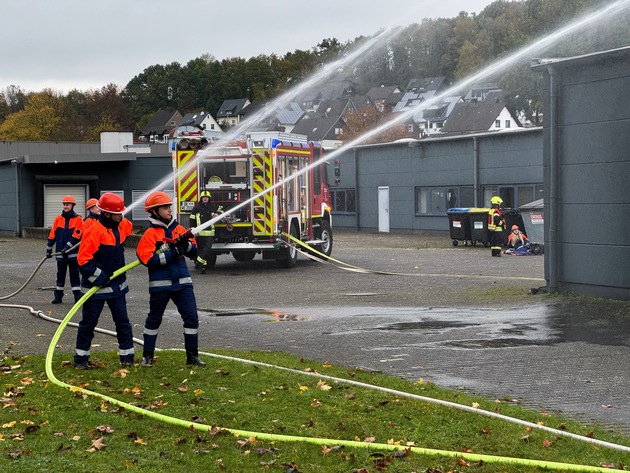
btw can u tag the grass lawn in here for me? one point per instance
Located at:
(45, 427)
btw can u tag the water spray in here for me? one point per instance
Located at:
(535, 47)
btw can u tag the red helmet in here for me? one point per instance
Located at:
(91, 203)
(111, 203)
(157, 199)
(68, 199)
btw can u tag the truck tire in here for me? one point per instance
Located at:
(287, 257)
(326, 234)
(243, 255)
(212, 260)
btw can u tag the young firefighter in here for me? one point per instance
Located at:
(64, 234)
(201, 213)
(92, 211)
(100, 254)
(161, 249)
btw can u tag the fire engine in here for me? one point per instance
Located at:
(243, 170)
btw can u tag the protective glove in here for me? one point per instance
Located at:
(103, 280)
(48, 253)
(64, 253)
(176, 251)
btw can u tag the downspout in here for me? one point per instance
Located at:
(18, 218)
(552, 244)
(476, 171)
(357, 208)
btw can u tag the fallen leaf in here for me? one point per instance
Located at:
(303, 389)
(97, 444)
(369, 439)
(546, 443)
(315, 403)
(321, 384)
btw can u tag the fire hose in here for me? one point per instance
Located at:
(319, 441)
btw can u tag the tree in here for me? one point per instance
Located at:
(41, 119)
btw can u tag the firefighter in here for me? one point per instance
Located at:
(496, 224)
(92, 211)
(162, 249)
(201, 213)
(65, 234)
(100, 254)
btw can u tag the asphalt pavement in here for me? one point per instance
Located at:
(451, 315)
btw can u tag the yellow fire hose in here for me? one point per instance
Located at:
(291, 438)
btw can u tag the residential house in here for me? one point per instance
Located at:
(230, 112)
(479, 92)
(473, 117)
(382, 96)
(429, 120)
(201, 121)
(159, 126)
(316, 95)
(327, 123)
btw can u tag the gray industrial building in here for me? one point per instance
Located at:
(408, 186)
(579, 163)
(587, 170)
(35, 175)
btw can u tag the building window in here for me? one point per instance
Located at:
(507, 123)
(437, 200)
(497, 123)
(343, 201)
(513, 196)
(410, 128)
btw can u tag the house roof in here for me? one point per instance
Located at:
(383, 92)
(290, 115)
(439, 111)
(193, 119)
(328, 90)
(318, 128)
(160, 122)
(473, 116)
(232, 107)
(426, 84)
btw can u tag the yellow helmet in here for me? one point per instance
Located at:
(205, 194)
(496, 200)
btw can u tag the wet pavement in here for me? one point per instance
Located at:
(453, 316)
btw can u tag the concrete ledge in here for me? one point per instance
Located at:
(42, 234)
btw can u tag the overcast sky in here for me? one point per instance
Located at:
(67, 44)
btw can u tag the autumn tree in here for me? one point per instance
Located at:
(41, 119)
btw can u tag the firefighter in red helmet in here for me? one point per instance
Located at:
(65, 234)
(162, 249)
(100, 255)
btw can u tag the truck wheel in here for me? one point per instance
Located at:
(326, 235)
(244, 255)
(287, 257)
(212, 260)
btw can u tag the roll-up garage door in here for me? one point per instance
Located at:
(52, 200)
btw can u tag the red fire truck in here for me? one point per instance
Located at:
(245, 170)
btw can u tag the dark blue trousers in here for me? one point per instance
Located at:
(91, 312)
(71, 266)
(184, 300)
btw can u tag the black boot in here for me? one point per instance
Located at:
(126, 361)
(192, 358)
(147, 359)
